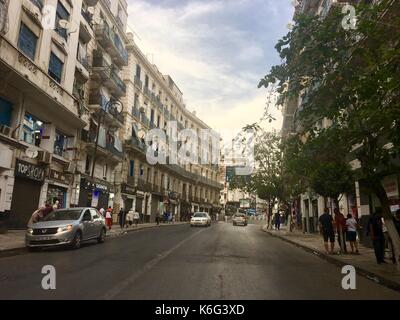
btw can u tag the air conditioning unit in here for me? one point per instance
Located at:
(70, 167)
(44, 157)
(6, 130)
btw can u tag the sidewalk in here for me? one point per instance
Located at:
(365, 263)
(14, 240)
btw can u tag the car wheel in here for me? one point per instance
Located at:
(102, 237)
(77, 241)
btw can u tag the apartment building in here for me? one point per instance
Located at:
(154, 101)
(77, 98)
(310, 206)
(100, 152)
(40, 118)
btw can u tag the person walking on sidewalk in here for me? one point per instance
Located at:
(136, 217)
(122, 217)
(327, 231)
(375, 231)
(102, 212)
(351, 234)
(396, 221)
(277, 221)
(109, 218)
(129, 218)
(340, 223)
(158, 217)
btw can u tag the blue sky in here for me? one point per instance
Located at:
(215, 50)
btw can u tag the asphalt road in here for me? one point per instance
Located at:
(179, 262)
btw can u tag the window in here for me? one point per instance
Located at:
(105, 171)
(38, 3)
(138, 71)
(132, 168)
(61, 14)
(146, 81)
(32, 130)
(60, 143)
(87, 164)
(55, 67)
(158, 121)
(152, 116)
(148, 175)
(141, 171)
(27, 41)
(5, 112)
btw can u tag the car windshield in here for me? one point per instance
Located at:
(200, 215)
(60, 215)
(239, 216)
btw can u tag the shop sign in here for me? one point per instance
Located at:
(128, 189)
(95, 186)
(391, 187)
(60, 176)
(27, 170)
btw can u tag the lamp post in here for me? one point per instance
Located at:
(111, 104)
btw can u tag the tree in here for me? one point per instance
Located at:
(352, 78)
(266, 179)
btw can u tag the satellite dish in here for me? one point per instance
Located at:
(64, 24)
(31, 153)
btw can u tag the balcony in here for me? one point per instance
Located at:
(99, 102)
(144, 119)
(119, 53)
(104, 35)
(144, 185)
(136, 145)
(82, 66)
(104, 149)
(138, 83)
(108, 77)
(147, 92)
(87, 16)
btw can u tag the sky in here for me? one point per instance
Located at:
(216, 51)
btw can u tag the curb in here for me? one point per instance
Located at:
(23, 250)
(360, 271)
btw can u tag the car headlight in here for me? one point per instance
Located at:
(30, 231)
(65, 228)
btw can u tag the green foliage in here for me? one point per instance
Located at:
(352, 78)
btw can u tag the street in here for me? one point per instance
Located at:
(179, 262)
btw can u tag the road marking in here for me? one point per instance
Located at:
(149, 265)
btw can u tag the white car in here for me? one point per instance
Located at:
(200, 219)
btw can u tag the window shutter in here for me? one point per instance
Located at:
(27, 41)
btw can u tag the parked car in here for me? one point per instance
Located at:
(66, 227)
(239, 219)
(200, 219)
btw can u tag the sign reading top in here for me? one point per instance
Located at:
(30, 171)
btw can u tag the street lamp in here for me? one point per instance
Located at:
(115, 106)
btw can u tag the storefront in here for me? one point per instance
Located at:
(58, 188)
(156, 200)
(95, 193)
(139, 204)
(128, 196)
(28, 183)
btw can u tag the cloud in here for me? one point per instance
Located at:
(216, 51)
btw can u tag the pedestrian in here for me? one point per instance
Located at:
(396, 221)
(42, 212)
(122, 217)
(109, 218)
(56, 205)
(375, 231)
(277, 221)
(327, 230)
(102, 212)
(129, 218)
(340, 224)
(351, 233)
(136, 217)
(158, 217)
